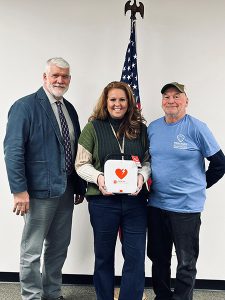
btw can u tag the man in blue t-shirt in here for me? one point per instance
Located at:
(179, 144)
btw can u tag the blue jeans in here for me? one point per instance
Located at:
(107, 214)
(166, 228)
(48, 222)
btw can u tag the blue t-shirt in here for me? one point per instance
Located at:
(177, 159)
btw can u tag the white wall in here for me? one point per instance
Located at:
(177, 41)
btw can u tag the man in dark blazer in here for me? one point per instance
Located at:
(40, 148)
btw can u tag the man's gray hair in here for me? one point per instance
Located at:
(58, 61)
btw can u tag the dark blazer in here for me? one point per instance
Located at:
(33, 147)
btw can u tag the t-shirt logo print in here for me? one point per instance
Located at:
(181, 142)
(180, 138)
(121, 173)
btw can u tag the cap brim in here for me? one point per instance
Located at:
(171, 85)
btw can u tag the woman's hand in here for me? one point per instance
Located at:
(140, 182)
(101, 185)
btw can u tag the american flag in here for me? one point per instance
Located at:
(130, 72)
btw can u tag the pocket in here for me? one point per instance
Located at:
(37, 175)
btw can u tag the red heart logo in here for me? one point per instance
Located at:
(121, 173)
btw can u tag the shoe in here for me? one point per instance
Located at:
(117, 292)
(58, 298)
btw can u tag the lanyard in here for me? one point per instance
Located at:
(123, 142)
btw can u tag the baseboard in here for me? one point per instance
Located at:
(205, 284)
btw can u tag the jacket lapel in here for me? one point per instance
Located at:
(74, 119)
(44, 102)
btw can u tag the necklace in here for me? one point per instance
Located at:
(123, 142)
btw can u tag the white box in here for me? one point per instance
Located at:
(120, 176)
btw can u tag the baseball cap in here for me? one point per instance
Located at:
(177, 85)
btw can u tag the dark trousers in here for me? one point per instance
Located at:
(166, 228)
(107, 214)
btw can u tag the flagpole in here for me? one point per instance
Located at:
(130, 70)
(134, 9)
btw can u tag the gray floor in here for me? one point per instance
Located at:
(11, 291)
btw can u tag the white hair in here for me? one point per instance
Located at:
(58, 61)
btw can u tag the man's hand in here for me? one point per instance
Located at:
(21, 203)
(78, 199)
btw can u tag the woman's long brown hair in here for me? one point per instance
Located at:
(132, 120)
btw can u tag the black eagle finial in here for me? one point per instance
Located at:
(134, 9)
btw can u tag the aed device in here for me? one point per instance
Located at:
(120, 175)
